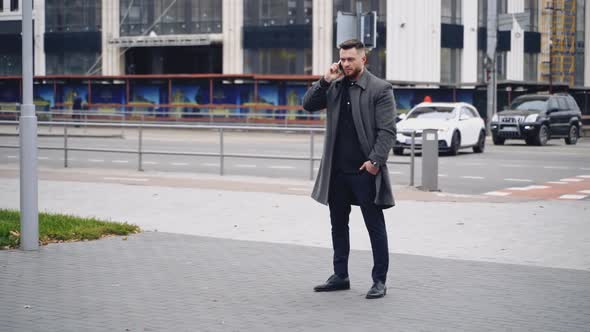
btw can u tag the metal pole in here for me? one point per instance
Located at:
(139, 147)
(220, 151)
(311, 155)
(29, 211)
(412, 155)
(492, 23)
(65, 146)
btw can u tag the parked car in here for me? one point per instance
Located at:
(538, 118)
(459, 126)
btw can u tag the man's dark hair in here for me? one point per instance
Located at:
(352, 43)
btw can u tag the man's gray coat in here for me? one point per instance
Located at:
(373, 112)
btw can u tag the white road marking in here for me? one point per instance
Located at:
(571, 180)
(120, 161)
(395, 172)
(454, 195)
(281, 167)
(584, 192)
(497, 193)
(299, 189)
(473, 177)
(96, 160)
(556, 182)
(512, 165)
(125, 179)
(518, 180)
(443, 175)
(556, 167)
(210, 164)
(584, 176)
(573, 196)
(179, 164)
(43, 158)
(149, 162)
(246, 166)
(11, 157)
(470, 164)
(533, 187)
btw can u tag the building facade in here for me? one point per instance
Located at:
(424, 43)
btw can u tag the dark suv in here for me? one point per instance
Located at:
(537, 119)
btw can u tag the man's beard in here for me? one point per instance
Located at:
(354, 73)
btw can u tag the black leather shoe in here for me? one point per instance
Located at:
(377, 291)
(334, 283)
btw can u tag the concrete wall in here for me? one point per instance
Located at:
(233, 50)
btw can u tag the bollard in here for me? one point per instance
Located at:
(429, 160)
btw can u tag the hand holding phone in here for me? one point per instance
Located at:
(334, 72)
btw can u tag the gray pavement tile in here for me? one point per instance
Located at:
(161, 281)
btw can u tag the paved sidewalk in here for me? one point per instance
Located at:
(172, 282)
(242, 254)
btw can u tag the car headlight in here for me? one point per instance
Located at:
(443, 130)
(531, 118)
(495, 118)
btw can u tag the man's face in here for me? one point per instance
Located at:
(353, 61)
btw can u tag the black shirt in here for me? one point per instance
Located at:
(348, 155)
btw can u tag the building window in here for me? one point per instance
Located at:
(502, 6)
(481, 70)
(13, 5)
(10, 64)
(532, 8)
(501, 65)
(530, 67)
(451, 12)
(283, 61)
(450, 65)
(277, 12)
(73, 15)
(163, 17)
(482, 13)
(70, 63)
(580, 36)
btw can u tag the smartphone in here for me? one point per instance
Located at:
(340, 67)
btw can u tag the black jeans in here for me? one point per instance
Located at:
(346, 189)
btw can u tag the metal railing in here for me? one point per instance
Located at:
(140, 152)
(283, 118)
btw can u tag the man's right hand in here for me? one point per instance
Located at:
(332, 73)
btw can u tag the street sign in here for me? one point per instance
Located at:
(362, 27)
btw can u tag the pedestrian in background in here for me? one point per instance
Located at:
(76, 107)
(360, 132)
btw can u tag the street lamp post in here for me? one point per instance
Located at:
(29, 217)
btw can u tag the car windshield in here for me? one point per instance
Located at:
(432, 112)
(530, 104)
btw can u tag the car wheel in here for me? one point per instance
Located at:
(455, 144)
(498, 140)
(481, 143)
(572, 137)
(542, 136)
(398, 151)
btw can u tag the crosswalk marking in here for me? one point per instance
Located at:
(497, 193)
(179, 164)
(557, 182)
(96, 160)
(571, 180)
(573, 196)
(246, 166)
(281, 167)
(584, 192)
(533, 187)
(120, 161)
(473, 177)
(518, 180)
(43, 158)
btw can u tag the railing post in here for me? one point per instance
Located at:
(221, 151)
(65, 145)
(311, 146)
(412, 157)
(139, 148)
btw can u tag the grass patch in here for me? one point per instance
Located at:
(59, 228)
